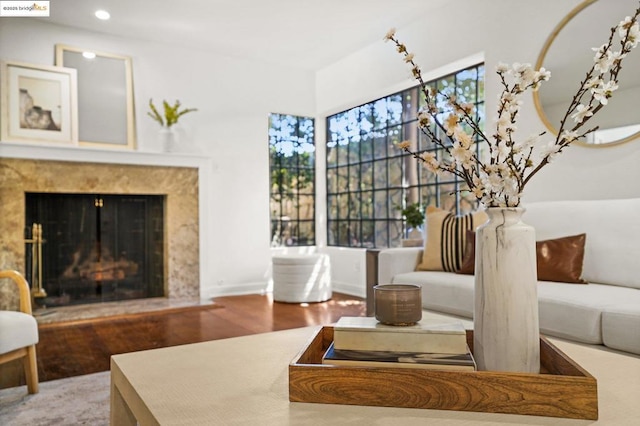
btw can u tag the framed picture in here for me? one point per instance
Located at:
(105, 96)
(38, 103)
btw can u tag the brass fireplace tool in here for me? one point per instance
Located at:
(36, 241)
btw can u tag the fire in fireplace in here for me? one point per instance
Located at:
(88, 248)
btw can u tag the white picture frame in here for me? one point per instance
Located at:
(38, 103)
(106, 117)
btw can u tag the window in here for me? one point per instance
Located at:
(369, 180)
(292, 170)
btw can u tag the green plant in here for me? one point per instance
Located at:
(171, 113)
(413, 214)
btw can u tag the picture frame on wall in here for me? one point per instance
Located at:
(106, 113)
(38, 103)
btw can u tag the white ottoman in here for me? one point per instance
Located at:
(301, 278)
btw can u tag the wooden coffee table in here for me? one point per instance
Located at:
(244, 380)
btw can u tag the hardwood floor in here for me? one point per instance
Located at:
(72, 349)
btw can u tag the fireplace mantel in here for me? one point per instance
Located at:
(43, 168)
(100, 155)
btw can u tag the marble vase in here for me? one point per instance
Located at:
(506, 326)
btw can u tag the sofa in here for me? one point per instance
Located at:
(603, 311)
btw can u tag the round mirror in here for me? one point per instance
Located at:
(568, 54)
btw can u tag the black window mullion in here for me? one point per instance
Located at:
(292, 165)
(351, 192)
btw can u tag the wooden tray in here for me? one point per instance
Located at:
(563, 389)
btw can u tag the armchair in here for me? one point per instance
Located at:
(19, 332)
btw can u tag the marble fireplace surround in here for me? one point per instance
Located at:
(178, 184)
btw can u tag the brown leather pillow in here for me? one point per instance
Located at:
(468, 265)
(558, 260)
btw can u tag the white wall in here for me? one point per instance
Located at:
(234, 97)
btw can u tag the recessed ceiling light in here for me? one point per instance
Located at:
(103, 14)
(89, 55)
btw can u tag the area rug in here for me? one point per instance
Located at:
(80, 400)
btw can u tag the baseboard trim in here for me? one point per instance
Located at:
(264, 288)
(240, 289)
(349, 288)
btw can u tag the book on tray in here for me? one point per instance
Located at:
(388, 359)
(427, 336)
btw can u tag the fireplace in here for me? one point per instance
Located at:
(88, 248)
(178, 187)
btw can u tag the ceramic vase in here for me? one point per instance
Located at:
(169, 139)
(506, 326)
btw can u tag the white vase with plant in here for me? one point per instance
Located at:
(413, 215)
(169, 137)
(506, 328)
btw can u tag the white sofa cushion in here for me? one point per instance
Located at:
(574, 311)
(612, 249)
(571, 311)
(442, 291)
(17, 330)
(621, 327)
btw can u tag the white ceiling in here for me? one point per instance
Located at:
(308, 34)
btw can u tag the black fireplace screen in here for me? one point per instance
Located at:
(95, 247)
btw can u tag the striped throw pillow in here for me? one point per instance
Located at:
(446, 236)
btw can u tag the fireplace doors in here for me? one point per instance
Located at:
(88, 248)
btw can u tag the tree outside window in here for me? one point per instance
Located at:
(368, 178)
(292, 169)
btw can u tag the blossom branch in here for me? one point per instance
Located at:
(500, 180)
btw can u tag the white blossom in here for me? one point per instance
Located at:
(430, 162)
(582, 112)
(493, 182)
(567, 137)
(510, 186)
(550, 151)
(450, 124)
(390, 34)
(463, 137)
(514, 107)
(506, 97)
(603, 92)
(543, 74)
(627, 24)
(617, 56)
(502, 68)
(593, 82)
(523, 74)
(461, 155)
(600, 51)
(634, 36)
(424, 119)
(501, 150)
(603, 59)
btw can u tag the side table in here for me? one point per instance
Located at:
(301, 278)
